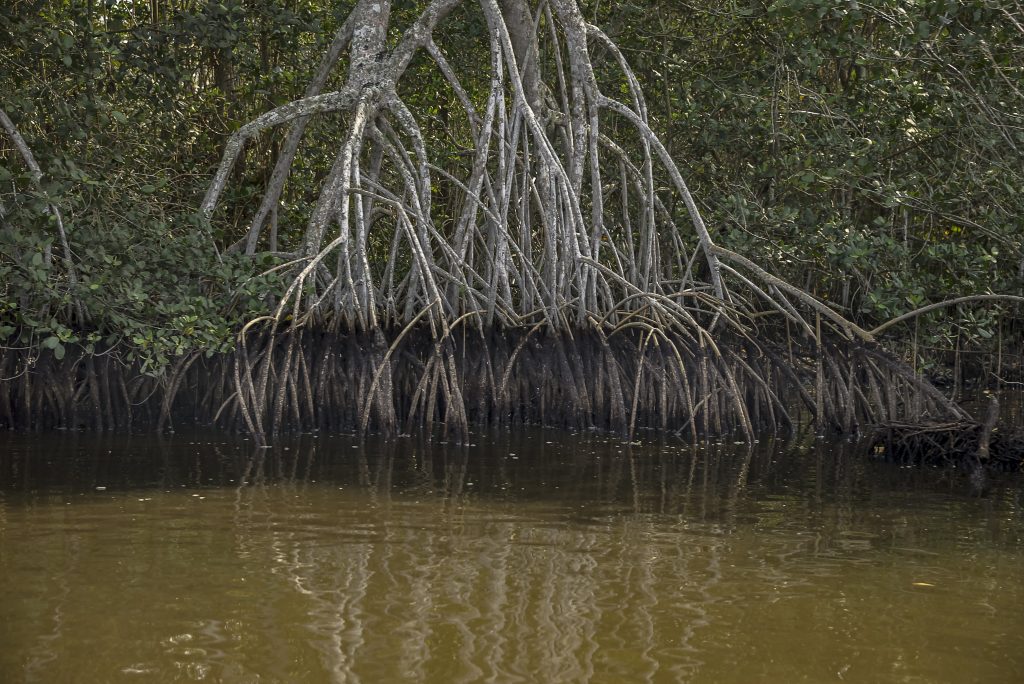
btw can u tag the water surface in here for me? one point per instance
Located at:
(539, 556)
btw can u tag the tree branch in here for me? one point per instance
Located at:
(949, 302)
(37, 176)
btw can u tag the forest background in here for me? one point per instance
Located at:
(868, 152)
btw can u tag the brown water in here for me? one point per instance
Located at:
(539, 557)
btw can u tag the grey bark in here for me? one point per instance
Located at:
(37, 176)
(521, 30)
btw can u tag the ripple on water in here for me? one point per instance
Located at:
(570, 567)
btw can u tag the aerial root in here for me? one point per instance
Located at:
(623, 380)
(950, 443)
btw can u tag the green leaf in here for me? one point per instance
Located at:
(51, 342)
(58, 351)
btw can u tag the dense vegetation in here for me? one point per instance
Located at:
(868, 152)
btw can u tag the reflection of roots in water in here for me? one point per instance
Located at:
(47, 647)
(450, 588)
(420, 566)
(411, 575)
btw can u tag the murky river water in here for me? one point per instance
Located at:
(537, 557)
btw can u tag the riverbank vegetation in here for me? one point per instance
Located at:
(676, 215)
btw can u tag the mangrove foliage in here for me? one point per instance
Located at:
(382, 215)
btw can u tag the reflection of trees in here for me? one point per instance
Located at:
(411, 575)
(414, 561)
(48, 644)
(430, 580)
